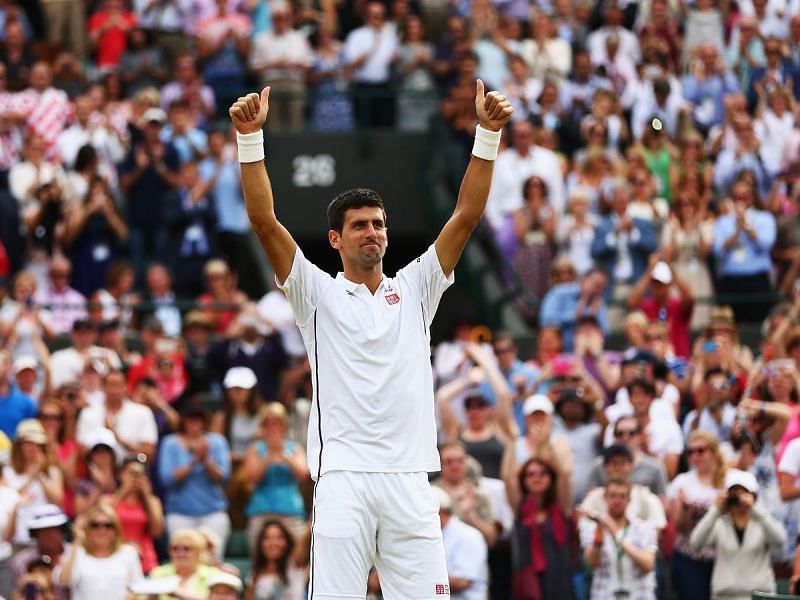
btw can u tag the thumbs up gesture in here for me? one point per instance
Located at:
(249, 113)
(493, 110)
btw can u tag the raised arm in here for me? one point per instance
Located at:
(494, 111)
(249, 113)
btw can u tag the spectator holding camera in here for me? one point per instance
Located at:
(620, 550)
(714, 412)
(742, 535)
(139, 510)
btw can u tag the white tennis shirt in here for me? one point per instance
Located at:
(373, 407)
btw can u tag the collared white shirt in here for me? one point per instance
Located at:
(381, 46)
(134, 423)
(373, 408)
(269, 47)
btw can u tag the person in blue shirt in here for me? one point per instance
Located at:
(743, 241)
(277, 467)
(193, 466)
(15, 406)
(565, 303)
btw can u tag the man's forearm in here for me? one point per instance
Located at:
(258, 197)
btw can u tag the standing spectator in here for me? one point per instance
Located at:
(61, 442)
(543, 535)
(742, 158)
(743, 240)
(105, 140)
(777, 73)
(331, 107)
(23, 325)
(148, 174)
(465, 551)
(277, 565)
(48, 109)
(182, 133)
(222, 47)
(65, 23)
(32, 472)
(566, 303)
(514, 166)
(620, 551)
(715, 412)
(281, 58)
(706, 85)
(690, 496)
(132, 424)
(622, 245)
(66, 305)
(278, 468)
(101, 470)
(575, 232)
(108, 33)
(142, 65)
(742, 535)
(162, 313)
(139, 511)
(221, 171)
(416, 99)
(92, 234)
(704, 31)
(193, 465)
(662, 305)
(99, 564)
(165, 21)
(547, 55)
(16, 56)
(686, 240)
(368, 51)
(189, 86)
(68, 363)
(221, 301)
(27, 177)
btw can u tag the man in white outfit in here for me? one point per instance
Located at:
(372, 432)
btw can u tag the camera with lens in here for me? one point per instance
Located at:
(732, 500)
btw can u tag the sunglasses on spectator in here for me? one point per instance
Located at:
(101, 525)
(699, 450)
(626, 433)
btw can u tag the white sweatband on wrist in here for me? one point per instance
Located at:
(251, 146)
(486, 143)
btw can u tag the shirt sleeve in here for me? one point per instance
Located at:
(304, 286)
(790, 461)
(425, 277)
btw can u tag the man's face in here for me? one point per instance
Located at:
(49, 537)
(364, 237)
(718, 390)
(506, 352)
(618, 467)
(617, 498)
(114, 386)
(40, 77)
(26, 379)
(640, 400)
(522, 137)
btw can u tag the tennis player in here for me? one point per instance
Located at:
(372, 432)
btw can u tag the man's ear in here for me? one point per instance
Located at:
(334, 239)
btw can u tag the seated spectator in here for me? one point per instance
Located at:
(47, 527)
(706, 85)
(47, 108)
(565, 303)
(278, 468)
(100, 478)
(743, 562)
(132, 424)
(67, 364)
(543, 537)
(186, 550)
(224, 586)
(675, 311)
(197, 341)
(27, 177)
(690, 495)
(222, 299)
(193, 466)
(547, 55)
(743, 240)
(182, 133)
(139, 510)
(778, 72)
(66, 305)
(625, 563)
(715, 410)
(92, 235)
(86, 130)
(644, 504)
(116, 298)
(278, 565)
(416, 98)
(160, 295)
(465, 552)
(189, 85)
(575, 232)
(99, 564)
(17, 56)
(775, 130)
(142, 65)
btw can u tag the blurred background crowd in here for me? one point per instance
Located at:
(154, 396)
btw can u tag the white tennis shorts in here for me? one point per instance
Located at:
(390, 520)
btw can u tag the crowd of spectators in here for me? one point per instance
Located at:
(651, 168)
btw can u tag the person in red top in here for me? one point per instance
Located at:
(674, 310)
(108, 32)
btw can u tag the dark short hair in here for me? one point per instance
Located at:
(643, 384)
(352, 199)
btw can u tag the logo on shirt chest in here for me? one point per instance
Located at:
(392, 298)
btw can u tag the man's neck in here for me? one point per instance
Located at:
(113, 406)
(371, 277)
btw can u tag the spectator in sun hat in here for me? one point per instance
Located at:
(102, 457)
(34, 472)
(26, 377)
(47, 526)
(224, 586)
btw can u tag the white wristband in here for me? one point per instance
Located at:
(251, 146)
(486, 143)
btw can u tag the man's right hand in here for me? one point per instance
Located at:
(249, 113)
